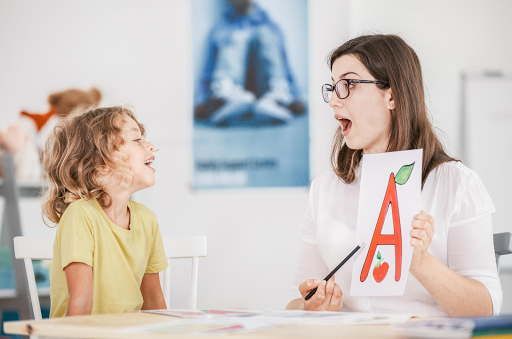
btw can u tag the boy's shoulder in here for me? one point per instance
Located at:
(141, 210)
(79, 214)
(80, 206)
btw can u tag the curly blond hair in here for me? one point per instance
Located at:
(74, 153)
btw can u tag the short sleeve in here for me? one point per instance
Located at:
(307, 225)
(310, 264)
(157, 261)
(471, 201)
(75, 237)
(470, 237)
(471, 255)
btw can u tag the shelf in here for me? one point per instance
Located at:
(43, 291)
(11, 292)
(29, 189)
(7, 293)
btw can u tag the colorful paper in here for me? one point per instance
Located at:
(390, 197)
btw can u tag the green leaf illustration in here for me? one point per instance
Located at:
(378, 255)
(403, 175)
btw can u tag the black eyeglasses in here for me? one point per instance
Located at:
(342, 88)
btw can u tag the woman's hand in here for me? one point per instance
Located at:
(421, 236)
(328, 296)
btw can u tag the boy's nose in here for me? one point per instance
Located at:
(150, 146)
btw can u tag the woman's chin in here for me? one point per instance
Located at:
(352, 145)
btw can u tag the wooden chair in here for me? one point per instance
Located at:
(29, 248)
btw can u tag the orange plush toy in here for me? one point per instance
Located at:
(25, 138)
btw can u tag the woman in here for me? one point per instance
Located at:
(377, 97)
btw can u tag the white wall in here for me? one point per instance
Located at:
(138, 51)
(450, 37)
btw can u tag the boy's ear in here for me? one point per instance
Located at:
(103, 174)
(104, 170)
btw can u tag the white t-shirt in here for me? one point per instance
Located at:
(463, 240)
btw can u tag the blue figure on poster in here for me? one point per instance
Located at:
(247, 79)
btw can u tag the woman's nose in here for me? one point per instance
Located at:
(334, 101)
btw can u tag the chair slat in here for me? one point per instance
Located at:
(33, 248)
(185, 247)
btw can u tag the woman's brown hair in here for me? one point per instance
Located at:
(78, 147)
(390, 60)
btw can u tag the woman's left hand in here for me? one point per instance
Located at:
(421, 236)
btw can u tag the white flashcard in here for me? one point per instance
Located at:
(389, 198)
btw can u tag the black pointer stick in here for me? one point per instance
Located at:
(335, 270)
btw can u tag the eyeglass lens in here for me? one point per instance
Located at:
(327, 92)
(341, 90)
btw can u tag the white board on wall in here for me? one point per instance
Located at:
(487, 142)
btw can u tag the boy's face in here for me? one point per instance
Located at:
(141, 155)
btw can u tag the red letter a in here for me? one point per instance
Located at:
(386, 239)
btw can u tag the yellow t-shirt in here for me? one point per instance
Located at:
(119, 257)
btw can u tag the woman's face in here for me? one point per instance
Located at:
(364, 115)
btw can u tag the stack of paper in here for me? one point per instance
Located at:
(459, 328)
(239, 321)
(446, 328)
(204, 326)
(300, 317)
(493, 326)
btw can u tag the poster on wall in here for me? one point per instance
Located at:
(251, 119)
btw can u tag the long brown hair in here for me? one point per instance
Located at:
(74, 153)
(389, 59)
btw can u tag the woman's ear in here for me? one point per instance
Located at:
(390, 100)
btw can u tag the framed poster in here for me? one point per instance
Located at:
(251, 119)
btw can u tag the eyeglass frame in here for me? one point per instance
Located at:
(349, 81)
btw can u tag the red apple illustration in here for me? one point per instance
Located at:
(381, 269)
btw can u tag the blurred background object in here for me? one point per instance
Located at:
(246, 78)
(250, 74)
(25, 138)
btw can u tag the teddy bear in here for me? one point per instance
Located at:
(25, 138)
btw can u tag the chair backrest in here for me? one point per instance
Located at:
(27, 248)
(183, 247)
(502, 246)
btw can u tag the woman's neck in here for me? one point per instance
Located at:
(377, 148)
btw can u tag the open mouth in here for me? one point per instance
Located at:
(149, 161)
(346, 125)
